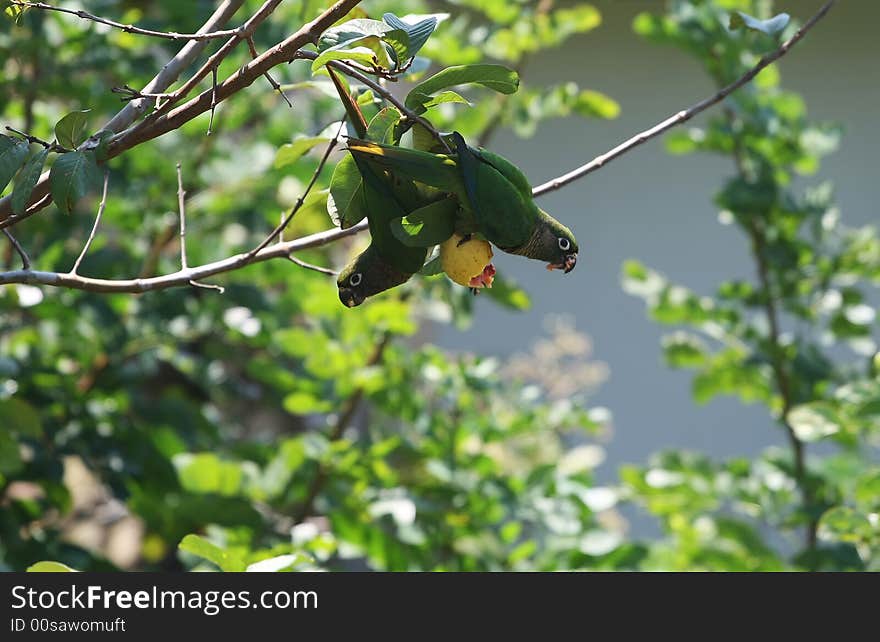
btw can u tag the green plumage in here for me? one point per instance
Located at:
(386, 263)
(495, 196)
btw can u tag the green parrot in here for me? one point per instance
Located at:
(495, 195)
(387, 262)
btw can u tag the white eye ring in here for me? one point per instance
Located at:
(355, 279)
(564, 243)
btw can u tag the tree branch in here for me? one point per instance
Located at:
(181, 277)
(214, 61)
(684, 115)
(157, 125)
(126, 116)
(85, 15)
(161, 123)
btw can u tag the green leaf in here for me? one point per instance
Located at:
(381, 127)
(868, 490)
(351, 30)
(683, 350)
(813, 421)
(844, 524)
(443, 97)
(20, 417)
(771, 27)
(10, 456)
(417, 34)
(346, 204)
(279, 563)
(14, 11)
(305, 403)
(432, 267)
(207, 473)
(27, 180)
(13, 152)
(71, 130)
(199, 546)
(496, 77)
(682, 141)
(50, 567)
(748, 198)
(522, 552)
(595, 104)
(428, 225)
(368, 50)
(398, 40)
(72, 176)
(291, 152)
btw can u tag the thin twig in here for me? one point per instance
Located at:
(33, 209)
(213, 99)
(97, 222)
(85, 15)
(52, 147)
(25, 261)
(684, 115)
(208, 286)
(181, 277)
(130, 93)
(299, 202)
(253, 49)
(312, 266)
(181, 208)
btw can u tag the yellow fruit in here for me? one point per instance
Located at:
(464, 262)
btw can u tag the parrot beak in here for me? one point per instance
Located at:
(567, 265)
(350, 299)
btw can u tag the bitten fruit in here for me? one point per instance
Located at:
(468, 263)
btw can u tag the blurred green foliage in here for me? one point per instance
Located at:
(799, 340)
(271, 425)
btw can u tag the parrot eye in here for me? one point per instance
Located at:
(355, 279)
(564, 244)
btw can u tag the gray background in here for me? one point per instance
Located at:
(658, 208)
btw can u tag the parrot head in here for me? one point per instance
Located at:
(553, 242)
(367, 275)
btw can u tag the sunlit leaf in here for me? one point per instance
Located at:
(50, 567)
(71, 130)
(13, 153)
(291, 152)
(771, 27)
(72, 176)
